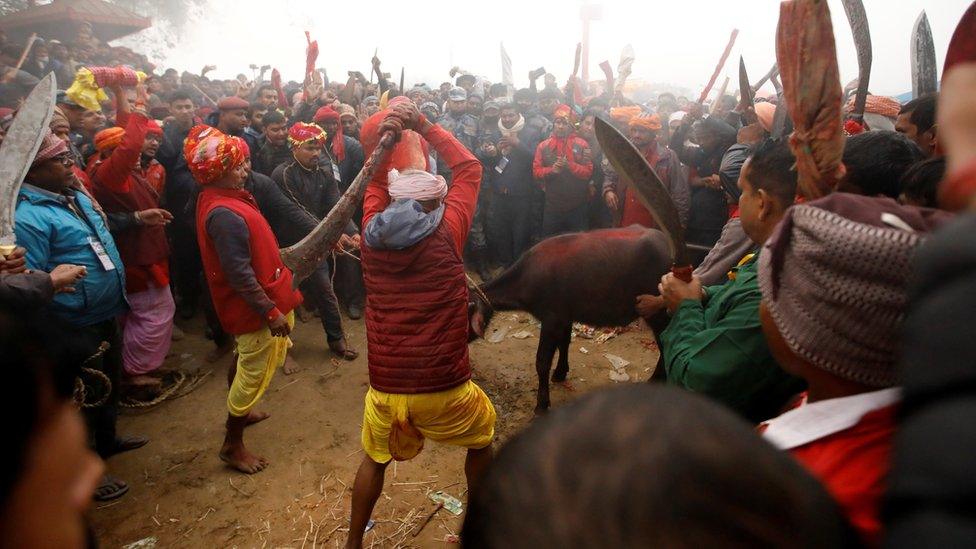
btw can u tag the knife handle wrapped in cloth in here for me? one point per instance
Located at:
(87, 91)
(682, 273)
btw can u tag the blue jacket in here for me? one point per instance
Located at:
(54, 235)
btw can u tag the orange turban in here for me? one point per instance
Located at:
(210, 154)
(623, 115)
(766, 112)
(109, 138)
(651, 122)
(302, 132)
(879, 104)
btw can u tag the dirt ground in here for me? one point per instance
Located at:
(183, 496)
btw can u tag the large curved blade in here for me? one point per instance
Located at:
(925, 77)
(858, 19)
(19, 148)
(635, 170)
(746, 97)
(962, 48)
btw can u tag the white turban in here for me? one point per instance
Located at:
(416, 184)
(677, 116)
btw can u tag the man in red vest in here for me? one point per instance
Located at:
(416, 310)
(251, 288)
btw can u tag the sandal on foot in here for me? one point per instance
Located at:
(110, 488)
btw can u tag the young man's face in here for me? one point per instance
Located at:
(642, 137)
(587, 127)
(257, 120)
(268, 98)
(331, 127)
(182, 111)
(54, 175)
(509, 117)
(548, 105)
(307, 154)
(277, 134)
(349, 124)
(561, 127)
(457, 107)
(474, 104)
(234, 120)
(151, 145)
(91, 122)
(751, 204)
(925, 140)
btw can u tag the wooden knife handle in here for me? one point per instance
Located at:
(682, 273)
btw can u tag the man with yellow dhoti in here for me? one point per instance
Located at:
(251, 288)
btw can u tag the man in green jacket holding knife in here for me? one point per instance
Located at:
(714, 344)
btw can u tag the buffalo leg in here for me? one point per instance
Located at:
(548, 341)
(562, 365)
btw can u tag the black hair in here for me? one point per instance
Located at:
(876, 162)
(590, 111)
(256, 107)
(265, 87)
(648, 466)
(273, 116)
(180, 95)
(498, 90)
(923, 111)
(772, 168)
(524, 94)
(550, 93)
(920, 184)
(39, 352)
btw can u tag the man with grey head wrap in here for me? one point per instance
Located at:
(834, 282)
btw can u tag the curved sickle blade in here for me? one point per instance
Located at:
(858, 19)
(19, 148)
(305, 256)
(632, 166)
(962, 48)
(925, 77)
(746, 97)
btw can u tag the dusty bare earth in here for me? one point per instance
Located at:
(182, 495)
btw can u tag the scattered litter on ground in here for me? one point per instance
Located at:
(607, 335)
(451, 538)
(584, 351)
(370, 525)
(521, 334)
(617, 362)
(619, 376)
(583, 331)
(498, 334)
(451, 503)
(144, 543)
(648, 344)
(515, 318)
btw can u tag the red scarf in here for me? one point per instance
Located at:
(328, 114)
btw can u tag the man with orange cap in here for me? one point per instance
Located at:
(251, 287)
(563, 166)
(306, 183)
(622, 200)
(129, 191)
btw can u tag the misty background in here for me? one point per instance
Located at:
(676, 42)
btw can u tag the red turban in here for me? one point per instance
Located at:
(242, 144)
(210, 154)
(565, 111)
(152, 128)
(109, 138)
(409, 153)
(879, 104)
(326, 114)
(302, 132)
(651, 122)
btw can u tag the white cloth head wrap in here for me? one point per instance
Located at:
(416, 185)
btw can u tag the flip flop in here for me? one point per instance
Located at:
(127, 444)
(110, 488)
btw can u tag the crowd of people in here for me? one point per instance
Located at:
(174, 196)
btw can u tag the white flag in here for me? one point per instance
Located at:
(507, 69)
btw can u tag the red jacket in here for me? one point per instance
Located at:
(853, 465)
(417, 298)
(121, 186)
(275, 279)
(569, 188)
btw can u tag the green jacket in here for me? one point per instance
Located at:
(716, 347)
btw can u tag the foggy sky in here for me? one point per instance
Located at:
(675, 42)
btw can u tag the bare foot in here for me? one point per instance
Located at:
(241, 459)
(290, 366)
(219, 352)
(257, 417)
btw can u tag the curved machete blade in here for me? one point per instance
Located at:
(631, 165)
(962, 48)
(858, 19)
(746, 96)
(925, 78)
(20, 146)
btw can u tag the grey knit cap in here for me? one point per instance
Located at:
(834, 277)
